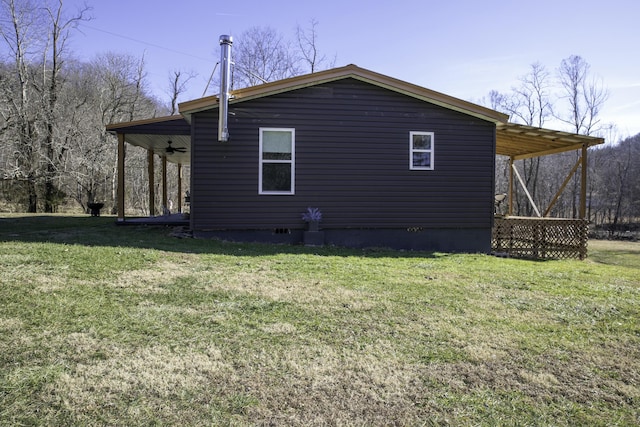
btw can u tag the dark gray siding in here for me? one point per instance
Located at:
(352, 162)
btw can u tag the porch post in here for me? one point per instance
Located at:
(164, 183)
(180, 187)
(510, 210)
(121, 155)
(151, 173)
(583, 184)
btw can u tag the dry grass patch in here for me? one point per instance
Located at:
(263, 282)
(11, 324)
(153, 278)
(322, 385)
(156, 381)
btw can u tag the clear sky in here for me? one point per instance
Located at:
(463, 48)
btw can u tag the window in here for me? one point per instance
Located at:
(277, 161)
(421, 150)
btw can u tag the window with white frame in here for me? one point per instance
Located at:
(421, 150)
(277, 161)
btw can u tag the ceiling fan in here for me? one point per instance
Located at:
(170, 149)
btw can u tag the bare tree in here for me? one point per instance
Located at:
(617, 174)
(261, 54)
(107, 90)
(307, 41)
(534, 95)
(53, 82)
(121, 96)
(584, 94)
(575, 100)
(18, 30)
(53, 110)
(529, 103)
(178, 81)
(535, 108)
(37, 60)
(89, 164)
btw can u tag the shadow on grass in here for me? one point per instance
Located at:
(630, 259)
(104, 232)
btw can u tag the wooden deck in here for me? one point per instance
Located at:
(540, 238)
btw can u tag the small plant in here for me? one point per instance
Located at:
(312, 215)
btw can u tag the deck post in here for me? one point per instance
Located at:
(180, 187)
(583, 184)
(152, 193)
(164, 183)
(121, 156)
(510, 210)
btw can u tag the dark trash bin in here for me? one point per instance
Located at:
(95, 208)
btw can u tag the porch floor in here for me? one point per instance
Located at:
(178, 219)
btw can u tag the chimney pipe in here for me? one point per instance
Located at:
(223, 98)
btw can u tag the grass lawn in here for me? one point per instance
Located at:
(108, 325)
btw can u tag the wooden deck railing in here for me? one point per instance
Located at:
(540, 238)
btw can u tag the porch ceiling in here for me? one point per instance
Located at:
(158, 144)
(154, 134)
(523, 142)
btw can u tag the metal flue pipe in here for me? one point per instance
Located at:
(223, 99)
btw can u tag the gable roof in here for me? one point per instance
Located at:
(349, 71)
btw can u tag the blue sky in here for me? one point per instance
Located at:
(463, 48)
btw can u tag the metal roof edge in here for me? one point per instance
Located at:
(551, 134)
(353, 71)
(113, 127)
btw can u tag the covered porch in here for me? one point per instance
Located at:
(541, 237)
(168, 138)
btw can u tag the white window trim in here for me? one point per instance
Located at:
(292, 162)
(412, 150)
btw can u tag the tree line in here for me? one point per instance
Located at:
(54, 109)
(55, 151)
(571, 97)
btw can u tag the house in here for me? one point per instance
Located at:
(389, 163)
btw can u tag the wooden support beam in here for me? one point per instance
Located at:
(548, 152)
(164, 183)
(180, 187)
(121, 189)
(562, 187)
(152, 193)
(510, 210)
(583, 184)
(526, 191)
